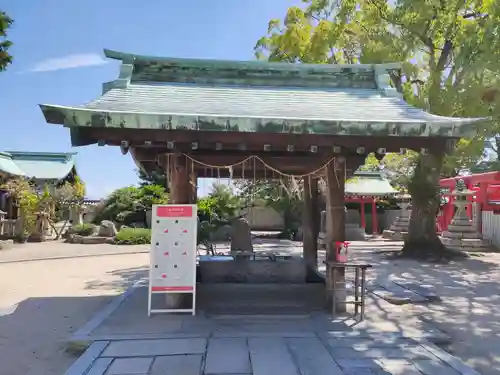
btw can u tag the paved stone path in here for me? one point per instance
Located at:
(339, 354)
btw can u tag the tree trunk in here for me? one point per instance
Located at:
(422, 240)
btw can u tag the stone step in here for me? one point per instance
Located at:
(394, 235)
(399, 228)
(461, 223)
(464, 243)
(403, 218)
(462, 228)
(468, 235)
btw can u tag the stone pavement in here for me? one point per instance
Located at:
(392, 340)
(336, 354)
(128, 342)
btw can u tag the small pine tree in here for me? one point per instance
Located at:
(156, 177)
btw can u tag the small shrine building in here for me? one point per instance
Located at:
(40, 167)
(368, 187)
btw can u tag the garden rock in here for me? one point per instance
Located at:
(241, 236)
(97, 240)
(222, 234)
(89, 240)
(107, 229)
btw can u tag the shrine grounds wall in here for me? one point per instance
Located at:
(491, 227)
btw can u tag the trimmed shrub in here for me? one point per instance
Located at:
(83, 229)
(133, 236)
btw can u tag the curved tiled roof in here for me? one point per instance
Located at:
(366, 183)
(37, 165)
(255, 96)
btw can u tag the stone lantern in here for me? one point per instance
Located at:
(461, 233)
(399, 228)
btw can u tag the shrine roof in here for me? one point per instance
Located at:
(366, 183)
(37, 165)
(255, 96)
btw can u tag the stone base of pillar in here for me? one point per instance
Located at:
(462, 235)
(338, 291)
(399, 229)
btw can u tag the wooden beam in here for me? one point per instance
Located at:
(256, 141)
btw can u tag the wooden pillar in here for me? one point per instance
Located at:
(335, 208)
(308, 247)
(363, 217)
(335, 232)
(180, 188)
(180, 193)
(193, 184)
(374, 217)
(316, 216)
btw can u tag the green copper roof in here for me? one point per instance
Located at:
(7, 165)
(369, 184)
(167, 93)
(138, 68)
(37, 165)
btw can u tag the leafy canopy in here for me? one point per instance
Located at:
(5, 44)
(450, 52)
(129, 204)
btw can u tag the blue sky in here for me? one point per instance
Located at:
(58, 60)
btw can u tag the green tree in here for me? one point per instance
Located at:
(155, 177)
(5, 44)
(130, 204)
(219, 208)
(285, 196)
(396, 167)
(450, 51)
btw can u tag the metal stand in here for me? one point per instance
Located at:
(359, 285)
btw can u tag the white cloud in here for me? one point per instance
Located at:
(69, 62)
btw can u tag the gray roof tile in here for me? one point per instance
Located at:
(357, 105)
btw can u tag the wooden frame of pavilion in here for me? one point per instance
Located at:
(297, 118)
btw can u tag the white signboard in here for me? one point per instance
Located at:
(173, 253)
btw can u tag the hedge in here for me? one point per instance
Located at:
(83, 229)
(133, 236)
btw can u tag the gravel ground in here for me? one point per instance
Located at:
(59, 249)
(43, 302)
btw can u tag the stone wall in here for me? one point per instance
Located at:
(265, 218)
(254, 271)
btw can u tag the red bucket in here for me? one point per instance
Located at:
(341, 251)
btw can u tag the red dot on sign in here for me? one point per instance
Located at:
(163, 276)
(184, 231)
(166, 253)
(165, 231)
